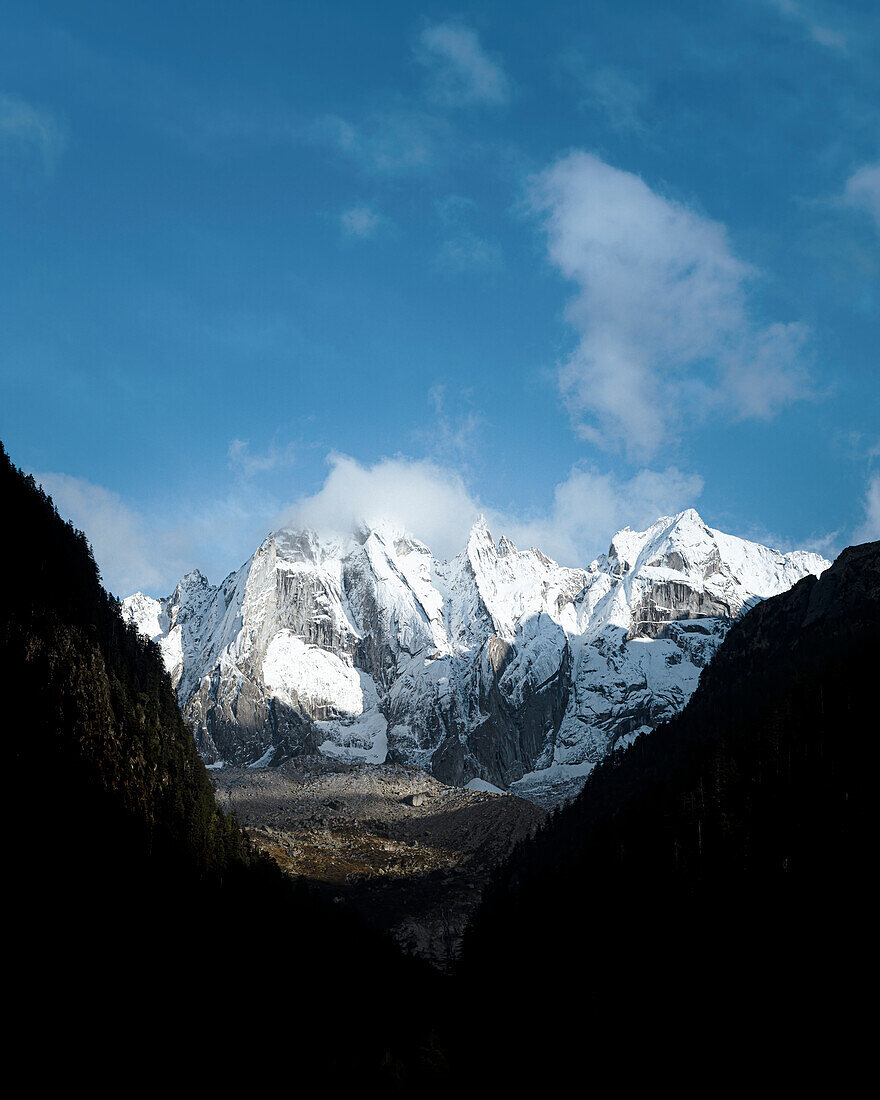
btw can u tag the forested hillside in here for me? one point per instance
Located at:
(140, 918)
(715, 876)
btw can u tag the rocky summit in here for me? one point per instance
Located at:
(497, 669)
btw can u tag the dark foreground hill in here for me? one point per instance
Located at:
(143, 929)
(710, 894)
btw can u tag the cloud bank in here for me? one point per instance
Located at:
(434, 504)
(660, 311)
(425, 498)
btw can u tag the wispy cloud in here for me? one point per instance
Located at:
(863, 190)
(616, 95)
(466, 251)
(360, 222)
(454, 209)
(463, 249)
(242, 460)
(816, 29)
(30, 132)
(455, 425)
(460, 72)
(660, 311)
(391, 142)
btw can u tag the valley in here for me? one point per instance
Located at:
(407, 851)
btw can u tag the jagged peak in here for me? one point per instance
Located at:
(689, 518)
(480, 542)
(689, 515)
(194, 576)
(138, 599)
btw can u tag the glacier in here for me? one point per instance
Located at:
(499, 666)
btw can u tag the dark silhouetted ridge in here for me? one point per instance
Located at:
(708, 895)
(144, 932)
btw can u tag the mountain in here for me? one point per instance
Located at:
(138, 916)
(499, 666)
(708, 898)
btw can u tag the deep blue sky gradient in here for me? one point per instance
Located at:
(176, 275)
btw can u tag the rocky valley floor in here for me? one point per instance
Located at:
(411, 853)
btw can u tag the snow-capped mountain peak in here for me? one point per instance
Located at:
(499, 664)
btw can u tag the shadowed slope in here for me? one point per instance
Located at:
(141, 921)
(710, 886)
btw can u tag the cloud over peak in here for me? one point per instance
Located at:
(433, 503)
(419, 496)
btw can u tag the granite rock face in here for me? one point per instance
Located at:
(499, 665)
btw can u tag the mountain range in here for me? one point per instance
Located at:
(499, 668)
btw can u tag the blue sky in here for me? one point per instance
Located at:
(573, 265)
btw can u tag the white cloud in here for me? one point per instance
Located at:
(869, 531)
(664, 333)
(27, 130)
(127, 553)
(360, 222)
(820, 32)
(428, 500)
(461, 72)
(863, 190)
